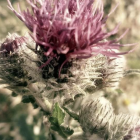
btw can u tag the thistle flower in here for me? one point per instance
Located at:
(78, 77)
(68, 32)
(68, 29)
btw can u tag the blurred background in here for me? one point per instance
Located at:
(19, 121)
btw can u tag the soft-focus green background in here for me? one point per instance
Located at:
(20, 121)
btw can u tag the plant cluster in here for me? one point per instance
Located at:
(67, 57)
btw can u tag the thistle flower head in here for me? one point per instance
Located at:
(69, 31)
(69, 28)
(78, 77)
(18, 63)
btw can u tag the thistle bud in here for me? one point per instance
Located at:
(133, 134)
(81, 77)
(123, 127)
(96, 116)
(18, 64)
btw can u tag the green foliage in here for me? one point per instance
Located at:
(16, 118)
(119, 91)
(28, 99)
(26, 131)
(67, 131)
(58, 114)
(6, 138)
(25, 99)
(35, 105)
(57, 119)
(14, 94)
(28, 134)
(72, 114)
(63, 131)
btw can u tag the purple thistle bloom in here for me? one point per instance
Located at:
(69, 28)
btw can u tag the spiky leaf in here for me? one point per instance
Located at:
(57, 119)
(72, 114)
(58, 114)
(14, 94)
(25, 99)
(67, 131)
